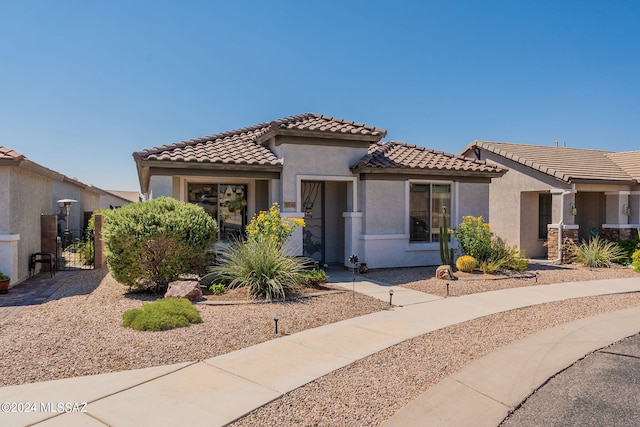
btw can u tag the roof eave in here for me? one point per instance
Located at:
(332, 135)
(428, 172)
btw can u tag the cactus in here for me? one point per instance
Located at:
(466, 263)
(446, 254)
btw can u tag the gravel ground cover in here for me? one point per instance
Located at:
(78, 332)
(422, 278)
(371, 390)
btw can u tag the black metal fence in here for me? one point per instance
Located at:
(76, 250)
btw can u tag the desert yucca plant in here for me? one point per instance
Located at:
(466, 263)
(261, 265)
(597, 253)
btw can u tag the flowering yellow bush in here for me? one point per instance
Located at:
(270, 225)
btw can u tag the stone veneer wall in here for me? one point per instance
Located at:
(99, 254)
(615, 234)
(48, 236)
(569, 238)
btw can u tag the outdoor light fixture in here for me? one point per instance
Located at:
(66, 203)
(447, 284)
(574, 210)
(537, 274)
(390, 296)
(275, 319)
(627, 210)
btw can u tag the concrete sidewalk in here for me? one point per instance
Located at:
(219, 390)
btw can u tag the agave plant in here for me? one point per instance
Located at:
(597, 253)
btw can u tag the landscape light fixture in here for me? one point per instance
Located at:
(447, 294)
(275, 319)
(390, 296)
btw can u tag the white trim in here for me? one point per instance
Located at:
(9, 237)
(564, 226)
(384, 237)
(620, 226)
(617, 193)
(352, 214)
(341, 178)
(407, 201)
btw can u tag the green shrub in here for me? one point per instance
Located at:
(635, 257)
(217, 288)
(150, 244)
(492, 267)
(597, 253)
(270, 225)
(474, 237)
(313, 278)
(261, 265)
(628, 247)
(162, 315)
(466, 263)
(508, 256)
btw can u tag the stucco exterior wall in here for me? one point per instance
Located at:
(313, 160)
(30, 197)
(473, 200)
(509, 218)
(160, 186)
(383, 204)
(5, 206)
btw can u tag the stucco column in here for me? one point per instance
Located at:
(563, 206)
(634, 205)
(616, 206)
(352, 232)
(9, 256)
(275, 192)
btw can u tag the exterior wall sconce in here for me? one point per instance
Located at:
(574, 210)
(627, 210)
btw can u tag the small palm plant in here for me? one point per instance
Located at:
(597, 253)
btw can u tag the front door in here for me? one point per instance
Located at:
(314, 231)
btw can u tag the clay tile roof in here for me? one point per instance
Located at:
(629, 161)
(247, 145)
(242, 146)
(399, 155)
(567, 164)
(9, 154)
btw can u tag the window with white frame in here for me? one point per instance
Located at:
(426, 201)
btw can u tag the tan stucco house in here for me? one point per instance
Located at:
(379, 200)
(29, 195)
(550, 193)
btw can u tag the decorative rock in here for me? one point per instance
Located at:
(184, 289)
(444, 272)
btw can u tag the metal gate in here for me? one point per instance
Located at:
(76, 250)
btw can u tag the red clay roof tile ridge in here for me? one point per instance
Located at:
(8, 153)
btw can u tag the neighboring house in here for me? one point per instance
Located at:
(29, 193)
(380, 201)
(112, 199)
(550, 188)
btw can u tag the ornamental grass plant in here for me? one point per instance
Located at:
(597, 253)
(262, 266)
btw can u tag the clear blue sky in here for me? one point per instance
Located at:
(84, 84)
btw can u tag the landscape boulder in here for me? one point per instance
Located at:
(184, 289)
(444, 272)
